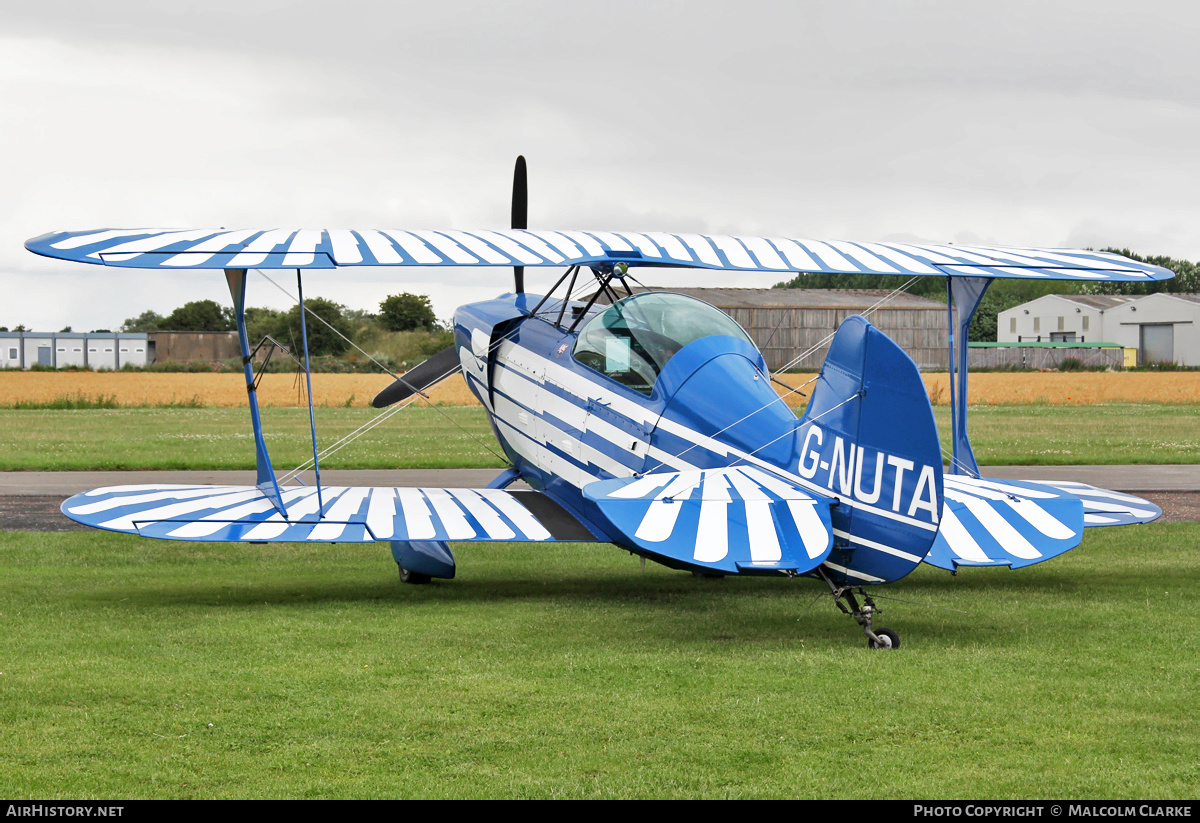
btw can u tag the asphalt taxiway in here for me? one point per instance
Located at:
(29, 501)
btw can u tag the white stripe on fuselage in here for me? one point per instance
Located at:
(585, 389)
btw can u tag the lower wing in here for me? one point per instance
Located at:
(339, 514)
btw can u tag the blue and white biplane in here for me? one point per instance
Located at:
(647, 420)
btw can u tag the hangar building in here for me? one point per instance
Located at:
(94, 350)
(789, 323)
(1162, 327)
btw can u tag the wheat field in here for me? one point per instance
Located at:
(356, 390)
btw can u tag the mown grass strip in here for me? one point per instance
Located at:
(185, 438)
(137, 668)
(455, 437)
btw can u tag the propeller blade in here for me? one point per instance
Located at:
(420, 377)
(520, 213)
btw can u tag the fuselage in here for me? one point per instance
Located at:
(565, 424)
(571, 406)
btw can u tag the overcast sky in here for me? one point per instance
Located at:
(1017, 123)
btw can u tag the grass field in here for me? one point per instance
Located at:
(169, 670)
(459, 437)
(133, 668)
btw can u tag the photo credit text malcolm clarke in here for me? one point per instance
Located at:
(1050, 810)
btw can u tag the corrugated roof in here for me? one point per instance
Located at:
(853, 299)
(1098, 301)
(1108, 301)
(1191, 298)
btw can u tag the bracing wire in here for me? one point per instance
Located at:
(366, 427)
(378, 419)
(363, 429)
(358, 433)
(327, 324)
(881, 302)
(955, 463)
(748, 455)
(870, 310)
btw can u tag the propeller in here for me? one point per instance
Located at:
(420, 377)
(445, 362)
(520, 214)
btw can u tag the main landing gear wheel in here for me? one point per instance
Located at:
(412, 578)
(888, 639)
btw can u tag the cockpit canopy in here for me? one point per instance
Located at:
(632, 340)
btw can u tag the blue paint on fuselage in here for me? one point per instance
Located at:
(868, 439)
(716, 387)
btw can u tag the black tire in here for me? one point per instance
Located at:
(888, 640)
(412, 578)
(710, 575)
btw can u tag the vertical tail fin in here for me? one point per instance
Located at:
(870, 440)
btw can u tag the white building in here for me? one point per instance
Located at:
(1059, 318)
(94, 350)
(1162, 327)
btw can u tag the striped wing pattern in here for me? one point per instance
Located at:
(1004, 523)
(348, 514)
(329, 248)
(1102, 507)
(733, 520)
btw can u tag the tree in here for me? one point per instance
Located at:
(321, 339)
(147, 321)
(932, 287)
(407, 312)
(1185, 281)
(259, 323)
(199, 315)
(1002, 294)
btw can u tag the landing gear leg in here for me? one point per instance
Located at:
(846, 598)
(411, 577)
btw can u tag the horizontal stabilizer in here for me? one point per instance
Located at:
(349, 514)
(183, 249)
(1010, 523)
(1102, 507)
(732, 520)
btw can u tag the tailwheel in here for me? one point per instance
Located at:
(884, 639)
(412, 578)
(846, 598)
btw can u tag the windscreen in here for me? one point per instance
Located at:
(632, 340)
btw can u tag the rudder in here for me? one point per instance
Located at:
(869, 439)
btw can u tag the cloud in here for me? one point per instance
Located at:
(1022, 124)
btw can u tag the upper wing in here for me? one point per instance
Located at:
(347, 514)
(329, 248)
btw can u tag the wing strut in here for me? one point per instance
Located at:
(312, 420)
(265, 477)
(963, 295)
